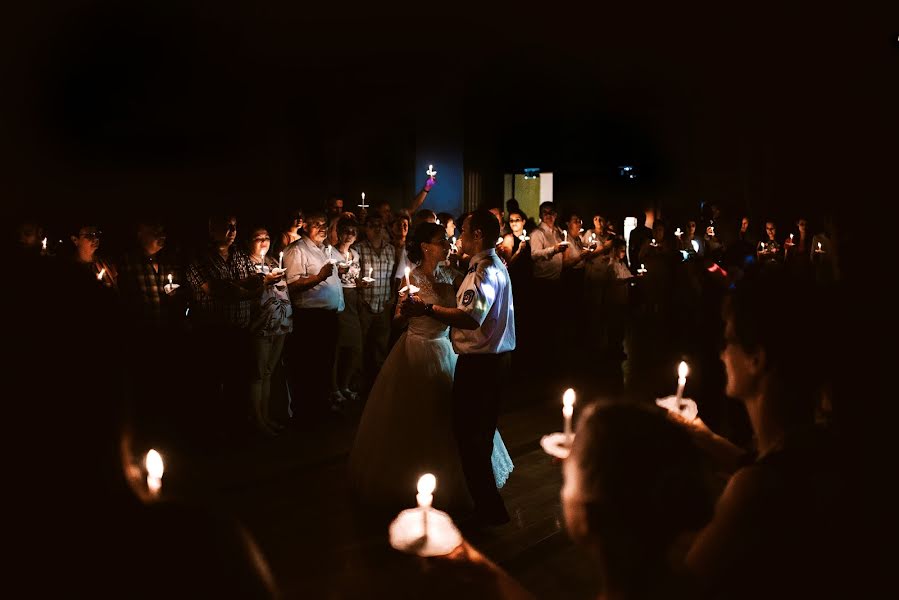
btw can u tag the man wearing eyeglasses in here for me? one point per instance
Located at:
(317, 296)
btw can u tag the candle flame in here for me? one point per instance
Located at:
(44, 244)
(682, 370)
(155, 467)
(101, 273)
(407, 270)
(363, 196)
(427, 483)
(819, 245)
(370, 269)
(568, 398)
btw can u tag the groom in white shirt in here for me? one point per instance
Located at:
(483, 334)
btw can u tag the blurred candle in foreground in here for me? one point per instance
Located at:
(155, 469)
(567, 412)
(44, 244)
(426, 485)
(682, 371)
(101, 274)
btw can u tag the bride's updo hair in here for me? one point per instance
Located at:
(423, 234)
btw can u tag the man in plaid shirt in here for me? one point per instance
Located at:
(143, 274)
(223, 284)
(376, 300)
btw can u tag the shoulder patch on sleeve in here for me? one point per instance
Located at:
(467, 297)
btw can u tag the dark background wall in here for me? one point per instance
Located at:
(184, 108)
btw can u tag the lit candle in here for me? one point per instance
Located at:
(791, 238)
(453, 245)
(349, 258)
(155, 469)
(567, 412)
(44, 244)
(678, 232)
(370, 269)
(499, 241)
(695, 245)
(762, 246)
(408, 285)
(653, 242)
(431, 172)
(564, 237)
(280, 259)
(101, 273)
(682, 371)
(426, 485)
(592, 237)
(170, 282)
(819, 247)
(363, 205)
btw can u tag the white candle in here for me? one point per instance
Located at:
(101, 273)
(682, 371)
(349, 258)
(363, 205)
(155, 469)
(499, 241)
(408, 285)
(170, 282)
(653, 242)
(819, 246)
(564, 236)
(567, 412)
(426, 485)
(44, 244)
(370, 269)
(678, 232)
(431, 172)
(280, 259)
(791, 237)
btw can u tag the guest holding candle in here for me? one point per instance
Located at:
(349, 329)
(781, 520)
(224, 287)
(271, 322)
(317, 297)
(376, 301)
(86, 242)
(769, 252)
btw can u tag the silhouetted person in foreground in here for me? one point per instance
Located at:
(635, 490)
(81, 522)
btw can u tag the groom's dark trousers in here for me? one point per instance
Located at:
(478, 382)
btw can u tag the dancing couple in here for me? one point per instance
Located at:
(435, 404)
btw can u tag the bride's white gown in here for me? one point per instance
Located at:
(406, 428)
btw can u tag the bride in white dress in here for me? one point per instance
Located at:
(406, 428)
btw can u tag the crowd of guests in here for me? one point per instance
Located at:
(297, 320)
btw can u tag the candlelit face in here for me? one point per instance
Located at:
(599, 223)
(516, 223)
(400, 228)
(691, 228)
(437, 248)
(260, 242)
(317, 229)
(335, 206)
(744, 225)
(802, 226)
(450, 226)
(770, 230)
(151, 238)
(742, 367)
(574, 225)
(548, 216)
(86, 242)
(347, 236)
(223, 231)
(374, 230)
(383, 209)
